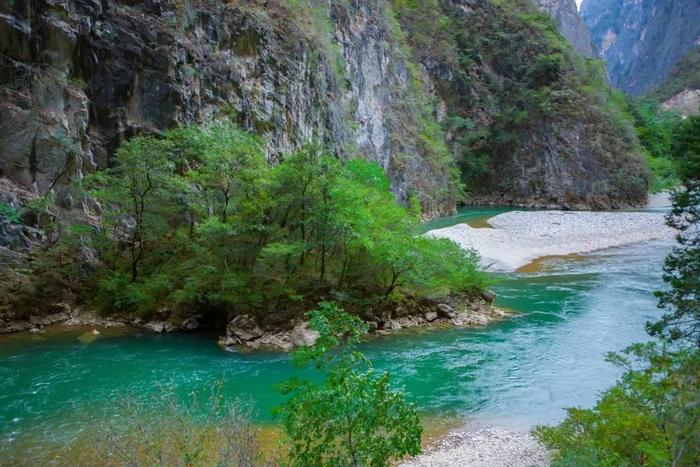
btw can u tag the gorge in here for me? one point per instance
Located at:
(308, 232)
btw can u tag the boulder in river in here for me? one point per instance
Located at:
(190, 324)
(244, 327)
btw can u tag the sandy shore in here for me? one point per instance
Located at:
(484, 447)
(519, 237)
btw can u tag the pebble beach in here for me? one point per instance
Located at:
(519, 237)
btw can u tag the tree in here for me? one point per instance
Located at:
(682, 267)
(352, 418)
(228, 165)
(651, 417)
(137, 197)
(197, 219)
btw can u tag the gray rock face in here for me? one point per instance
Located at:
(687, 102)
(570, 24)
(77, 77)
(641, 40)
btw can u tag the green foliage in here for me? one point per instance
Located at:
(197, 219)
(9, 213)
(650, 417)
(171, 430)
(512, 78)
(682, 267)
(655, 129)
(352, 418)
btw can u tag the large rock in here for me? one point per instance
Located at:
(446, 311)
(430, 316)
(244, 327)
(302, 335)
(190, 324)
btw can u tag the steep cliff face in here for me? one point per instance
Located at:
(78, 77)
(570, 24)
(81, 76)
(641, 40)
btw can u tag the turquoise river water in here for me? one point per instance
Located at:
(519, 372)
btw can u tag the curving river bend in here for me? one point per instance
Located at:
(519, 372)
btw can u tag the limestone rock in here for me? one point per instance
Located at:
(302, 335)
(446, 311)
(155, 326)
(430, 316)
(190, 324)
(244, 327)
(489, 296)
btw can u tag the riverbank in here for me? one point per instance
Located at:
(247, 332)
(491, 446)
(518, 238)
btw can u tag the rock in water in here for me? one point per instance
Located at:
(244, 327)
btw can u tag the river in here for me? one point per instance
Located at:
(519, 372)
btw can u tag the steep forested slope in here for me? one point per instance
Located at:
(529, 121)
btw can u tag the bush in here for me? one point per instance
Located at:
(198, 220)
(9, 213)
(353, 417)
(650, 417)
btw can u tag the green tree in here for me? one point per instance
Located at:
(651, 417)
(682, 267)
(228, 165)
(197, 220)
(352, 418)
(136, 195)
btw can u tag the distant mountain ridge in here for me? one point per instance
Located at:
(641, 40)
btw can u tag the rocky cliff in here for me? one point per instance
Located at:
(570, 24)
(641, 40)
(78, 77)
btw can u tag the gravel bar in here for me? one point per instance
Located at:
(519, 237)
(491, 446)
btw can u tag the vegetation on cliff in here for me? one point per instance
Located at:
(684, 75)
(655, 128)
(652, 415)
(521, 102)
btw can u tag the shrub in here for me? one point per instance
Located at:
(353, 417)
